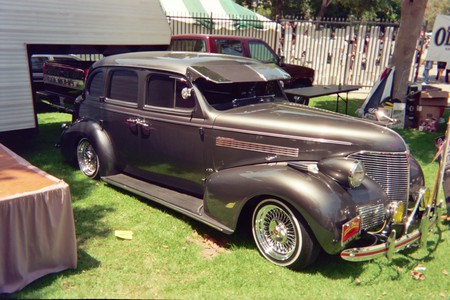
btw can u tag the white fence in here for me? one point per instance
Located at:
(355, 55)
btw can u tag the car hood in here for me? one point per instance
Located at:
(290, 131)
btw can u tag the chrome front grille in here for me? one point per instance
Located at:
(390, 170)
(371, 216)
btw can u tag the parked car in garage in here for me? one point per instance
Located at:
(215, 138)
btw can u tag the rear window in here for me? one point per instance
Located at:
(193, 45)
(65, 59)
(96, 84)
(230, 47)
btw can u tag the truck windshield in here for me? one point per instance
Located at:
(224, 96)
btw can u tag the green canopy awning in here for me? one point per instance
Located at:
(198, 13)
(230, 14)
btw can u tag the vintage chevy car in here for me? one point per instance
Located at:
(213, 137)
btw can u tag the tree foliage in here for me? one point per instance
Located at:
(360, 9)
(434, 8)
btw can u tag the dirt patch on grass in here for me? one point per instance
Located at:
(211, 246)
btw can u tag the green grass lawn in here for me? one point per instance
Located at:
(172, 256)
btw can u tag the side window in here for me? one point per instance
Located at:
(230, 47)
(165, 91)
(124, 86)
(96, 84)
(262, 52)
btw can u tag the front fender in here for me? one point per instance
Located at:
(324, 204)
(86, 128)
(416, 177)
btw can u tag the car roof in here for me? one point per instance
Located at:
(214, 67)
(214, 36)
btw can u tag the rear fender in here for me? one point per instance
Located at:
(323, 203)
(86, 128)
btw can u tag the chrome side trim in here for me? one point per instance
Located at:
(285, 136)
(256, 147)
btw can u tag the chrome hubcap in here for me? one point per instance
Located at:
(87, 158)
(275, 232)
(278, 231)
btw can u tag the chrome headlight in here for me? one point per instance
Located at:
(357, 174)
(348, 172)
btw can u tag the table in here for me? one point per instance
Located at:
(37, 229)
(305, 93)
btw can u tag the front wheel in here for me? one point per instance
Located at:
(280, 237)
(88, 160)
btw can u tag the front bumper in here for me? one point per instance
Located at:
(392, 244)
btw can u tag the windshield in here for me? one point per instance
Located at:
(226, 96)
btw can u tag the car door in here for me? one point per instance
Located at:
(171, 135)
(119, 114)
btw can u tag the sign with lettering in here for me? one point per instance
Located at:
(439, 47)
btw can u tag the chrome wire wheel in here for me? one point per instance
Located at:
(280, 236)
(87, 158)
(276, 232)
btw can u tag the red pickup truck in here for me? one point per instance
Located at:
(243, 46)
(63, 83)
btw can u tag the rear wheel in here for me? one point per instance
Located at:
(87, 158)
(280, 237)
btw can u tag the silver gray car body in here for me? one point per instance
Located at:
(228, 147)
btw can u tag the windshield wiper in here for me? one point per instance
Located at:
(252, 100)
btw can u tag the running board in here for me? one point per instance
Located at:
(183, 203)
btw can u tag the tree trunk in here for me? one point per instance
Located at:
(410, 25)
(323, 8)
(277, 6)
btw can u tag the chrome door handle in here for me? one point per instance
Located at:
(137, 121)
(142, 123)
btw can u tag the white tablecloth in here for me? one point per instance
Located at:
(37, 229)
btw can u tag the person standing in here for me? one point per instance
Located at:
(441, 67)
(447, 70)
(428, 65)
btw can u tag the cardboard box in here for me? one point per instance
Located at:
(433, 98)
(427, 117)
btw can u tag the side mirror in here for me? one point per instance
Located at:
(186, 93)
(281, 61)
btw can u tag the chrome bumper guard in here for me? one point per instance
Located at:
(392, 244)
